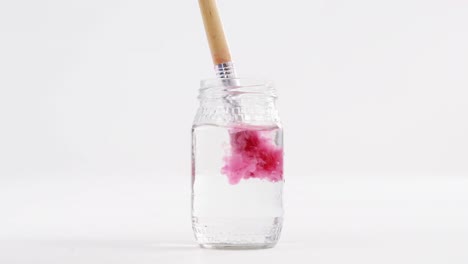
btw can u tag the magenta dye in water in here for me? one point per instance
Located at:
(252, 156)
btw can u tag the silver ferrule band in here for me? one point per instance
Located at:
(225, 70)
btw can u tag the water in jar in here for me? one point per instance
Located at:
(237, 182)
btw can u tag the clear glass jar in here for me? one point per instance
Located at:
(237, 165)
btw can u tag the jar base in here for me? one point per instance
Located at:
(237, 233)
(237, 246)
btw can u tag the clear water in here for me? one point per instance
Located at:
(243, 215)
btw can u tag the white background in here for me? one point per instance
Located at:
(97, 99)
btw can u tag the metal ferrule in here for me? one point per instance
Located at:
(225, 70)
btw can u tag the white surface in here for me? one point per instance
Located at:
(329, 219)
(97, 99)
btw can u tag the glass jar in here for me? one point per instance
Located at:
(237, 165)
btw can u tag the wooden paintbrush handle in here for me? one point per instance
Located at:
(214, 32)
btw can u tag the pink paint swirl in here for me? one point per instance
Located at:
(253, 155)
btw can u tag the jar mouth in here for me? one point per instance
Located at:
(213, 88)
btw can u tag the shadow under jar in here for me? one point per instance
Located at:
(237, 165)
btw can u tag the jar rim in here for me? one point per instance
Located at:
(237, 86)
